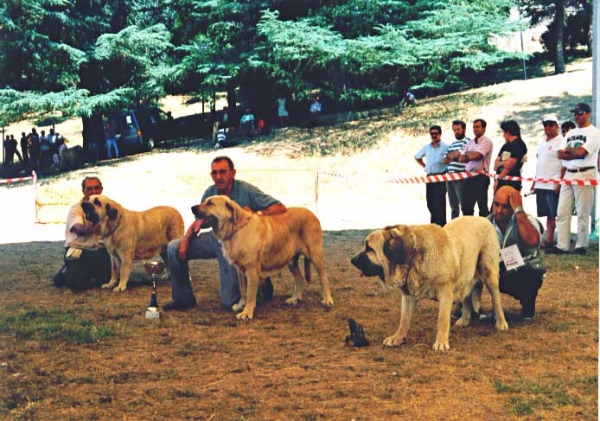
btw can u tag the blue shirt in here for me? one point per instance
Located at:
(433, 157)
(245, 194)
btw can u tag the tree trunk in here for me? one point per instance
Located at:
(559, 63)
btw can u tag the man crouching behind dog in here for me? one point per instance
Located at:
(197, 245)
(86, 261)
(522, 267)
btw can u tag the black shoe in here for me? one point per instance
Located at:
(580, 250)
(555, 250)
(179, 305)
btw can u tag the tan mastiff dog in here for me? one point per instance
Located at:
(259, 245)
(444, 264)
(130, 235)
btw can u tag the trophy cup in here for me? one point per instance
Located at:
(154, 269)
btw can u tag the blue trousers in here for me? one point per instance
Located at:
(203, 246)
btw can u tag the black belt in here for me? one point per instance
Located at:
(582, 169)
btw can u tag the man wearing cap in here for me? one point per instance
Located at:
(548, 166)
(579, 154)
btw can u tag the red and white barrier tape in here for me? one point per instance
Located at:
(32, 177)
(468, 174)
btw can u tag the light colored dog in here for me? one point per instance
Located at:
(130, 235)
(259, 245)
(427, 261)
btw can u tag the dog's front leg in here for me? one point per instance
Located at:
(408, 307)
(251, 290)
(114, 272)
(125, 271)
(243, 292)
(444, 295)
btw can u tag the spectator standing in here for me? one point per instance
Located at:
(204, 245)
(282, 111)
(566, 126)
(112, 149)
(456, 188)
(579, 154)
(14, 148)
(511, 157)
(434, 153)
(314, 111)
(247, 127)
(548, 166)
(25, 149)
(519, 235)
(477, 156)
(45, 154)
(86, 261)
(33, 141)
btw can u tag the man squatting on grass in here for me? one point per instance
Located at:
(519, 235)
(86, 263)
(204, 245)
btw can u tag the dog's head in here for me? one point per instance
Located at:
(384, 250)
(102, 210)
(221, 214)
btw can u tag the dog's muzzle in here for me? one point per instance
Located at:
(366, 266)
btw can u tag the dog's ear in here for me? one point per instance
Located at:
(87, 207)
(111, 212)
(238, 216)
(399, 246)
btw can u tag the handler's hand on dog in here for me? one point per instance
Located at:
(194, 229)
(183, 247)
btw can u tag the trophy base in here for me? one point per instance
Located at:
(152, 314)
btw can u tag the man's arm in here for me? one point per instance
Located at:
(193, 230)
(527, 231)
(569, 154)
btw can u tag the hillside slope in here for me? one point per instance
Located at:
(347, 189)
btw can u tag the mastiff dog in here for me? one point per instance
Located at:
(443, 264)
(260, 245)
(130, 235)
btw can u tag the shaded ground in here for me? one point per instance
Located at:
(289, 363)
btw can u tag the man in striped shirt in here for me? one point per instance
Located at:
(455, 188)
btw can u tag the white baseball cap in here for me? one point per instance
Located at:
(550, 117)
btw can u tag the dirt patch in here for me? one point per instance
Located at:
(292, 363)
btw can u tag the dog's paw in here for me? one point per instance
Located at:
(393, 341)
(119, 288)
(501, 325)
(463, 322)
(238, 307)
(327, 301)
(109, 285)
(292, 301)
(245, 315)
(441, 346)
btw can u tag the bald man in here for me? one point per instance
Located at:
(522, 268)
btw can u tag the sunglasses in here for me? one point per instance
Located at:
(579, 113)
(434, 133)
(549, 123)
(220, 172)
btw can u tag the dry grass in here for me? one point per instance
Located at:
(292, 363)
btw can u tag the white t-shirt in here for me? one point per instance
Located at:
(588, 138)
(548, 165)
(88, 242)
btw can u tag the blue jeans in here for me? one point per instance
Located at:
(204, 246)
(455, 196)
(111, 145)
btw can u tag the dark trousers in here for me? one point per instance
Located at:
(92, 269)
(522, 284)
(435, 194)
(476, 191)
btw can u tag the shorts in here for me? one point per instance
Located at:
(547, 202)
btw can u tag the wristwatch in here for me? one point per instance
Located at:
(519, 209)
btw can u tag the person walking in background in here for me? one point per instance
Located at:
(511, 157)
(14, 148)
(25, 150)
(282, 111)
(434, 153)
(33, 142)
(579, 154)
(477, 156)
(455, 188)
(112, 149)
(548, 166)
(314, 111)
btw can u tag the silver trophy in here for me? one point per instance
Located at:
(154, 269)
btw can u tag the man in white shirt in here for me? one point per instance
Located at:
(548, 166)
(579, 154)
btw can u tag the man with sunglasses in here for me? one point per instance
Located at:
(522, 267)
(86, 261)
(579, 154)
(435, 193)
(204, 245)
